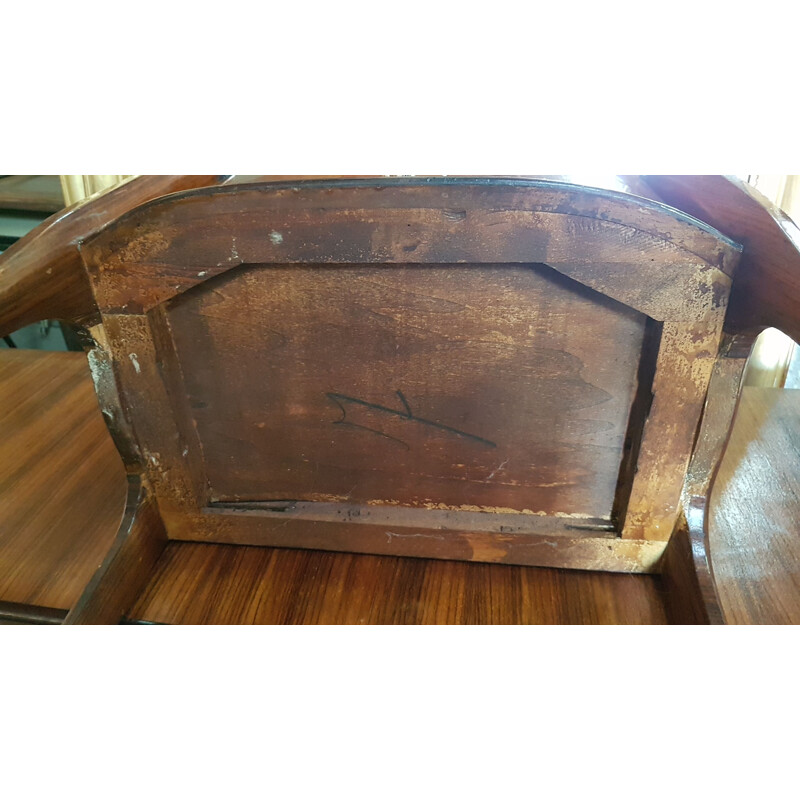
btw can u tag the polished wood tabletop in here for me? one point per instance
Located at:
(62, 490)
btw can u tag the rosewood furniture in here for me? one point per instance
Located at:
(502, 370)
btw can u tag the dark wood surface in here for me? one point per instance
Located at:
(403, 387)
(62, 494)
(754, 535)
(401, 345)
(128, 564)
(766, 292)
(62, 484)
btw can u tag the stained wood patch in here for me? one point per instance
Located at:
(457, 387)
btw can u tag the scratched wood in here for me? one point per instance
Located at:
(458, 387)
(400, 343)
(767, 289)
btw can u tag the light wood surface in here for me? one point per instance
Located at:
(62, 485)
(754, 536)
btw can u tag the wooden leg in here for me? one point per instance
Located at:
(128, 565)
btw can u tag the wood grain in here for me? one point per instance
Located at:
(754, 544)
(275, 304)
(767, 288)
(474, 388)
(62, 484)
(127, 565)
(221, 584)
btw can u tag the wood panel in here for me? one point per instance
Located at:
(754, 541)
(442, 387)
(637, 253)
(220, 584)
(62, 484)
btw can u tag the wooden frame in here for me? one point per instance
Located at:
(648, 257)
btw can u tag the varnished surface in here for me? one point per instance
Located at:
(62, 491)
(754, 534)
(223, 584)
(62, 485)
(128, 564)
(767, 287)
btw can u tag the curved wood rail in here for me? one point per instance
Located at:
(128, 564)
(766, 292)
(41, 275)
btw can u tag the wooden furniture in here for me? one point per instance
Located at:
(49, 551)
(476, 369)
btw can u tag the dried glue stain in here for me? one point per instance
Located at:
(275, 237)
(135, 362)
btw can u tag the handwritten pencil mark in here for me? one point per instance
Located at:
(344, 423)
(342, 400)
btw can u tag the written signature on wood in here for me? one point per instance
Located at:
(343, 401)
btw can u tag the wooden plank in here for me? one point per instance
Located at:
(62, 484)
(437, 387)
(128, 564)
(219, 584)
(169, 246)
(573, 549)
